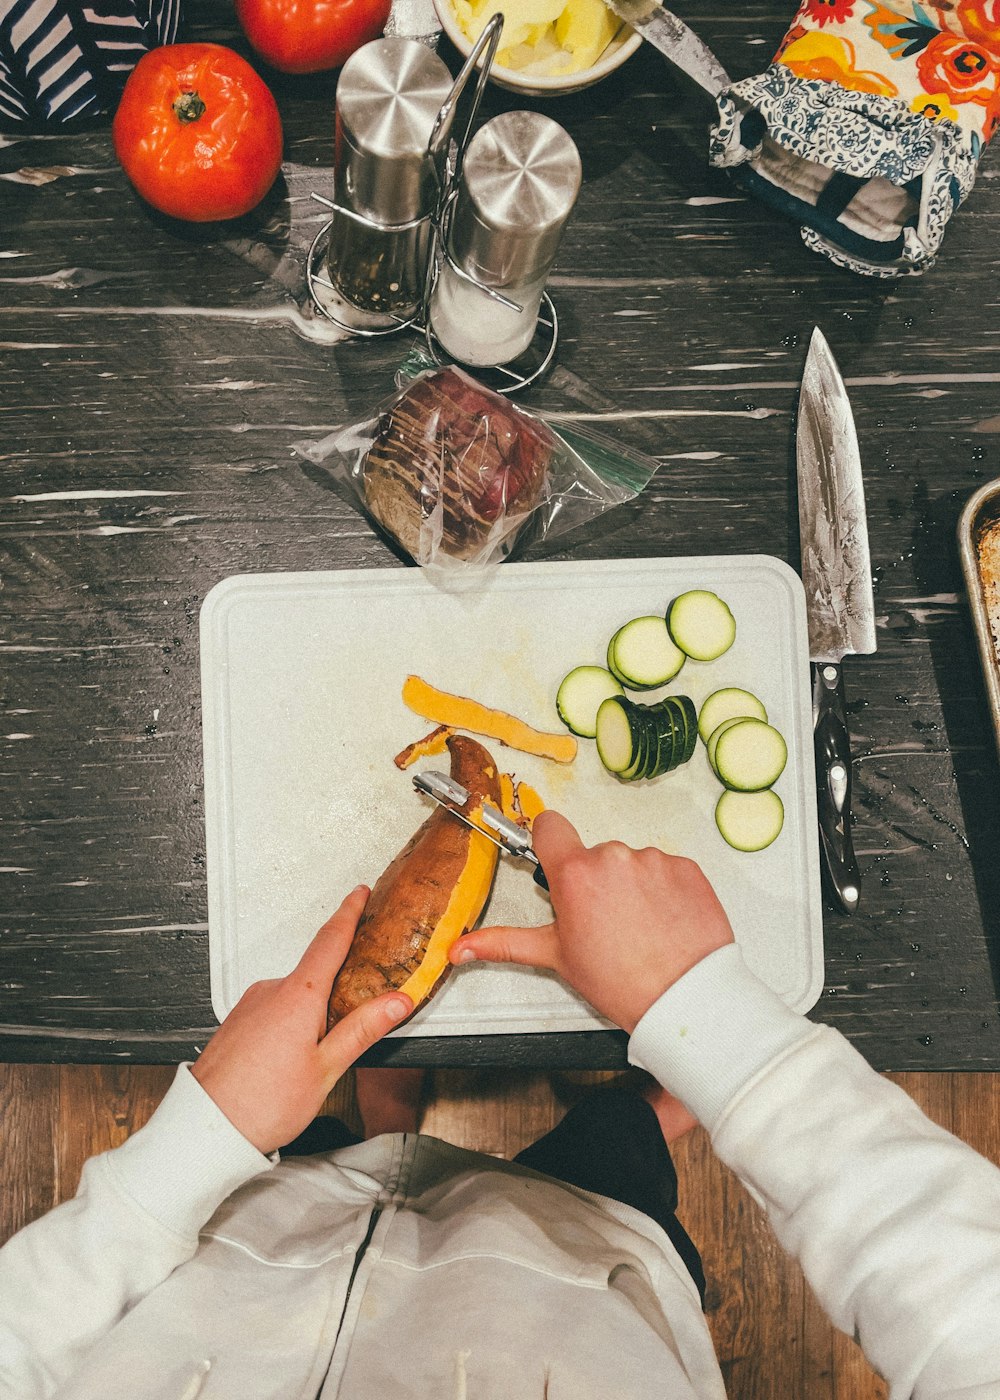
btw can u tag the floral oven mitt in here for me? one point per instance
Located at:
(868, 126)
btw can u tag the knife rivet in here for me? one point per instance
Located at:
(829, 673)
(838, 785)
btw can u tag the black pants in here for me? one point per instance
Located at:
(609, 1143)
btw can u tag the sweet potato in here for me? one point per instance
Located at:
(427, 897)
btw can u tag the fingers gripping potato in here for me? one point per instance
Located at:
(429, 895)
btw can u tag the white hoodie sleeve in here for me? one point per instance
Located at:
(896, 1223)
(68, 1277)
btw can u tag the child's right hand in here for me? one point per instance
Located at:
(628, 923)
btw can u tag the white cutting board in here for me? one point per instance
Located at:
(301, 681)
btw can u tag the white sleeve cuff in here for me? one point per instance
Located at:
(187, 1159)
(712, 1031)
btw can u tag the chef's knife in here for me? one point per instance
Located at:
(840, 605)
(495, 826)
(661, 28)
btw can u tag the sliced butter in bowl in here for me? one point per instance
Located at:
(585, 29)
(563, 44)
(524, 21)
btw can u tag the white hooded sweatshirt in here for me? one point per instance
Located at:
(191, 1267)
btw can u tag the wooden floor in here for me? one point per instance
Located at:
(771, 1337)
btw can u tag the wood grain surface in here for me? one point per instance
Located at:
(154, 378)
(770, 1334)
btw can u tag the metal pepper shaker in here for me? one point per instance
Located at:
(519, 181)
(387, 182)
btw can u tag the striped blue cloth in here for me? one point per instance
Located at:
(62, 60)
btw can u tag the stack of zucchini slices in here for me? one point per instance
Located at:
(747, 755)
(638, 740)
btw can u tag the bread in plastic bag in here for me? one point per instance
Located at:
(457, 475)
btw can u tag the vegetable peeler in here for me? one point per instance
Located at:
(495, 826)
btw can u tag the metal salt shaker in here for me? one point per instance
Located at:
(519, 181)
(386, 183)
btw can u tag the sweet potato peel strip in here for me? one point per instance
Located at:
(460, 712)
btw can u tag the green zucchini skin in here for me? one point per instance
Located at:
(749, 821)
(749, 755)
(701, 624)
(730, 702)
(580, 695)
(663, 736)
(643, 655)
(646, 739)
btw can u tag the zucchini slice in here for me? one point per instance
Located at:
(643, 655)
(688, 718)
(670, 739)
(612, 666)
(749, 754)
(618, 734)
(716, 735)
(644, 741)
(701, 624)
(728, 703)
(749, 821)
(646, 750)
(676, 720)
(580, 696)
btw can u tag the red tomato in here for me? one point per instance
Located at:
(198, 132)
(309, 36)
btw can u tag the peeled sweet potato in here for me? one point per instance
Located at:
(427, 897)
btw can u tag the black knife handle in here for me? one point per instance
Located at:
(833, 785)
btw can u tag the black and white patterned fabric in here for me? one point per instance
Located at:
(62, 60)
(868, 127)
(872, 184)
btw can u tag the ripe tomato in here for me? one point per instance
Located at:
(198, 132)
(309, 36)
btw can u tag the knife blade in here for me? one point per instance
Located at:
(681, 45)
(840, 601)
(495, 826)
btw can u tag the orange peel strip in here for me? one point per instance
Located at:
(508, 797)
(434, 742)
(459, 712)
(529, 803)
(519, 801)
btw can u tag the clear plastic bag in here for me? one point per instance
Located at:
(458, 475)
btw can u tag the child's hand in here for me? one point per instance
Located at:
(628, 923)
(271, 1063)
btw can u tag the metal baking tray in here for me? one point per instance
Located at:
(979, 543)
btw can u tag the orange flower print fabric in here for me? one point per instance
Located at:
(868, 126)
(978, 20)
(943, 64)
(832, 59)
(824, 12)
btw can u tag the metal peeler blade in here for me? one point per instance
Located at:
(495, 826)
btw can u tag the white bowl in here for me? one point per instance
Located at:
(622, 47)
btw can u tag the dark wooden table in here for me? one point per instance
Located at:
(154, 377)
